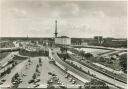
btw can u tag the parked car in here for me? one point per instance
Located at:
(36, 85)
(31, 81)
(37, 80)
(3, 80)
(73, 81)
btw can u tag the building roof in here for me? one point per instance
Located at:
(63, 37)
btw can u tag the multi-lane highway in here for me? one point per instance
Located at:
(70, 68)
(98, 75)
(101, 76)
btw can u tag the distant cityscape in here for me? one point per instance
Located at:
(96, 41)
(63, 61)
(71, 62)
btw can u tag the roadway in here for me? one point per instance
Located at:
(98, 75)
(108, 53)
(100, 47)
(101, 76)
(70, 68)
(5, 60)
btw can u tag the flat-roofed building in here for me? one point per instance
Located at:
(63, 40)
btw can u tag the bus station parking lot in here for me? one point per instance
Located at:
(27, 69)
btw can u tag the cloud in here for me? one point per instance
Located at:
(75, 19)
(55, 14)
(18, 12)
(73, 7)
(98, 13)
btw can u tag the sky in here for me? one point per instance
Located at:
(82, 19)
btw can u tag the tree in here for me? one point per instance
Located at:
(81, 53)
(102, 59)
(63, 49)
(65, 56)
(88, 55)
(95, 84)
(40, 60)
(37, 66)
(37, 70)
(123, 62)
(8, 70)
(34, 76)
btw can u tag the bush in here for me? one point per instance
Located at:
(88, 55)
(95, 84)
(123, 62)
(33, 53)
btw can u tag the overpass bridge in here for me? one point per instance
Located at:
(2, 50)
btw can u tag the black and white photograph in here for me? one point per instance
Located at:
(63, 44)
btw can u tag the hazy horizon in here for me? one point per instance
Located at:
(76, 19)
(70, 37)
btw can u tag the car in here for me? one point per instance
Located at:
(63, 87)
(73, 81)
(54, 74)
(35, 85)
(49, 73)
(31, 81)
(50, 81)
(20, 81)
(3, 80)
(37, 80)
(14, 82)
(67, 75)
(59, 82)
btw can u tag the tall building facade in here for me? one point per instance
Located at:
(99, 39)
(63, 40)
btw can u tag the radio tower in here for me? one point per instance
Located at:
(55, 29)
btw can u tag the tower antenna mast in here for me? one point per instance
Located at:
(56, 28)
